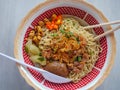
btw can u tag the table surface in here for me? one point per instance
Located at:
(11, 13)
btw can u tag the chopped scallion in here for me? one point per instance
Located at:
(68, 20)
(62, 31)
(78, 58)
(77, 39)
(54, 34)
(70, 33)
(41, 58)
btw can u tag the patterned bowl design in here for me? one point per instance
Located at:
(100, 62)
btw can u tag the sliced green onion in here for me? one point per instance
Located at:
(79, 58)
(62, 31)
(70, 33)
(68, 20)
(77, 39)
(54, 34)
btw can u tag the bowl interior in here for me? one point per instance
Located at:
(89, 19)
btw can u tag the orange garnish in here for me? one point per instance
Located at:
(54, 24)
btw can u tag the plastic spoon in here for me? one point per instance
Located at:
(47, 75)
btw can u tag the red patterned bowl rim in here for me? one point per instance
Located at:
(33, 11)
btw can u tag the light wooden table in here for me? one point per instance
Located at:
(11, 13)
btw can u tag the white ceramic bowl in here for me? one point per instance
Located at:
(86, 12)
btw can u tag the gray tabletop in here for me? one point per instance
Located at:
(11, 13)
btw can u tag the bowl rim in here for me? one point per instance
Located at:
(35, 9)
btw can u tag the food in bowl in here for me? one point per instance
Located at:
(61, 46)
(88, 15)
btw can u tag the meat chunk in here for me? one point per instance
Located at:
(76, 63)
(85, 56)
(77, 67)
(46, 54)
(57, 68)
(80, 66)
(76, 70)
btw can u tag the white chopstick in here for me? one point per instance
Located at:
(107, 32)
(102, 24)
(97, 68)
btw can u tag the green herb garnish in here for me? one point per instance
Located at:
(78, 58)
(41, 58)
(68, 20)
(54, 34)
(70, 33)
(77, 39)
(62, 31)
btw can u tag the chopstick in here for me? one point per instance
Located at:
(107, 32)
(102, 24)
